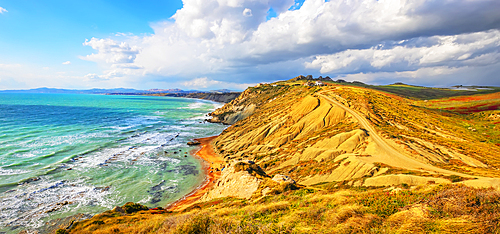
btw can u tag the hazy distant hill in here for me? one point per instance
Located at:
(124, 91)
(87, 91)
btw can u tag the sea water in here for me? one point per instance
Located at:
(63, 154)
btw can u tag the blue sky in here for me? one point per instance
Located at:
(232, 44)
(47, 33)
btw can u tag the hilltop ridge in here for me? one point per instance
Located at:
(298, 128)
(338, 157)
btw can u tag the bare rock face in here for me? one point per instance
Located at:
(233, 115)
(238, 109)
(118, 209)
(483, 183)
(240, 180)
(349, 168)
(283, 179)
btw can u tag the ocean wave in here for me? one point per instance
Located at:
(217, 105)
(29, 204)
(4, 172)
(194, 105)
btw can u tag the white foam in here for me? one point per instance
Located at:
(217, 105)
(4, 172)
(201, 116)
(195, 105)
(28, 205)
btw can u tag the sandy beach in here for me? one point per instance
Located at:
(210, 160)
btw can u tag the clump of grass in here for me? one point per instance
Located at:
(478, 205)
(455, 178)
(199, 224)
(385, 203)
(61, 231)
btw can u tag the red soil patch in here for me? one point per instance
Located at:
(210, 159)
(491, 96)
(476, 108)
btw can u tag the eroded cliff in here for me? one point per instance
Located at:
(339, 133)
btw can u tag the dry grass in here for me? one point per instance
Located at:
(439, 209)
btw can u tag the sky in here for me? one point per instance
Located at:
(233, 44)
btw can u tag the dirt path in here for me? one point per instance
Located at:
(211, 160)
(392, 156)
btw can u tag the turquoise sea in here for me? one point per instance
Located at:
(63, 154)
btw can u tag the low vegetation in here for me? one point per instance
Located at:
(425, 209)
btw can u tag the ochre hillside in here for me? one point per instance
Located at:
(344, 133)
(317, 156)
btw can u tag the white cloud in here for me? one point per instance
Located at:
(247, 12)
(474, 49)
(2, 10)
(205, 83)
(217, 38)
(9, 66)
(111, 51)
(66, 63)
(432, 76)
(93, 76)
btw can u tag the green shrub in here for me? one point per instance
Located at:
(455, 178)
(61, 231)
(131, 207)
(303, 192)
(98, 222)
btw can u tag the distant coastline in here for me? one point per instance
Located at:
(211, 96)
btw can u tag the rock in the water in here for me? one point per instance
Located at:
(193, 143)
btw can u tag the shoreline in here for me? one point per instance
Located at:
(209, 159)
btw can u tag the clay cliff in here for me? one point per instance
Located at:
(351, 135)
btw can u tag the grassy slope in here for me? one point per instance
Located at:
(333, 207)
(425, 93)
(428, 209)
(403, 120)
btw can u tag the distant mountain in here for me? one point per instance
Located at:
(166, 90)
(116, 91)
(221, 91)
(75, 91)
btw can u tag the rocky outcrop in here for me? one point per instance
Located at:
(236, 110)
(237, 114)
(240, 180)
(283, 179)
(216, 97)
